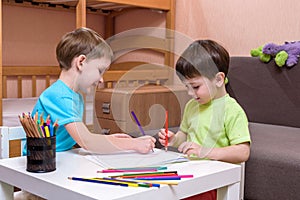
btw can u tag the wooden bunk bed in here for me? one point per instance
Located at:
(111, 9)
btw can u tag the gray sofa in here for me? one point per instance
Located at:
(271, 98)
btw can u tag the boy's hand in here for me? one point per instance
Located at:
(145, 144)
(191, 148)
(162, 137)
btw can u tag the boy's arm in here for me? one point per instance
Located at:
(234, 154)
(108, 143)
(179, 138)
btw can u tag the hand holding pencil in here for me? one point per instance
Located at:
(145, 137)
(165, 137)
(145, 144)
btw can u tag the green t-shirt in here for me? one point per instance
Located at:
(219, 123)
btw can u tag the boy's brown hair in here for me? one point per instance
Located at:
(202, 58)
(82, 41)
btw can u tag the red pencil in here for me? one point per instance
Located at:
(166, 129)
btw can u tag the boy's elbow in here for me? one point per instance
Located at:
(245, 152)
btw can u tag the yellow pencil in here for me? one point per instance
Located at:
(47, 131)
(130, 184)
(159, 182)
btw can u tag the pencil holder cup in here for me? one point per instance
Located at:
(41, 154)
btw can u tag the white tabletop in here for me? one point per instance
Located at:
(56, 185)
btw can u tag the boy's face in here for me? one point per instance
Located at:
(92, 74)
(201, 89)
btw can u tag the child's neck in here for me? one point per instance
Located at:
(68, 77)
(221, 92)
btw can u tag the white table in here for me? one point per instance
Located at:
(208, 175)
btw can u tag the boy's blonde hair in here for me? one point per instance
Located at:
(82, 41)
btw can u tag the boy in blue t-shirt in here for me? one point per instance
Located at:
(83, 57)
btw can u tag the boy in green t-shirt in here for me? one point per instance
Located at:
(214, 125)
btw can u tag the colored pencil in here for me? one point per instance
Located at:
(97, 181)
(120, 170)
(133, 169)
(130, 168)
(138, 183)
(149, 173)
(161, 182)
(112, 181)
(159, 178)
(130, 184)
(139, 125)
(47, 131)
(34, 126)
(165, 176)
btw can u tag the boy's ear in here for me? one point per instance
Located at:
(80, 60)
(220, 78)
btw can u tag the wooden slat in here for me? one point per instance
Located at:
(152, 75)
(14, 148)
(1, 120)
(170, 26)
(81, 14)
(109, 26)
(47, 81)
(19, 85)
(33, 86)
(138, 42)
(125, 65)
(107, 6)
(30, 70)
(4, 87)
(154, 4)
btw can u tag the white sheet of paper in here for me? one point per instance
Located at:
(132, 159)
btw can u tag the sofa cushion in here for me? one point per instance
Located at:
(269, 94)
(273, 169)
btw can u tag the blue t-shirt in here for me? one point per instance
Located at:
(62, 104)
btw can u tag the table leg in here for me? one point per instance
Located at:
(231, 192)
(6, 191)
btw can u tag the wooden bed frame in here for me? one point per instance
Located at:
(20, 74)
(33, 73)
(111, 9)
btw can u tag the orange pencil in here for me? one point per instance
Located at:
(166, 130)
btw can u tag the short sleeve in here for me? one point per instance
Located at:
(236, 126)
